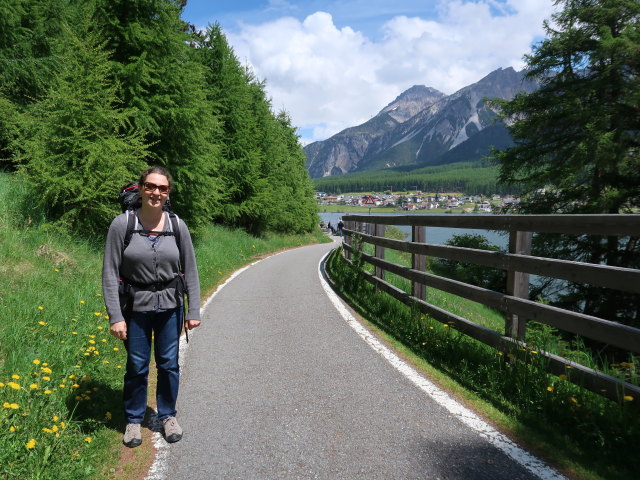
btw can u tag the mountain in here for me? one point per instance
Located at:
(422, 127)
(342, 152)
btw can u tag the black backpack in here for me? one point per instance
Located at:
(129, 201)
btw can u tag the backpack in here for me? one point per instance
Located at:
(130, 200)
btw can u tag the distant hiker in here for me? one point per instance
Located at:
(145, 273)
(340, 227)
(332, 228)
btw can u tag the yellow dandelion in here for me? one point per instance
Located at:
(534, 352)
(75, 385)
(46, 370)
(119, 366)
(107, 362)
(100, 327)
(45, 364)
(628, 398)
(2, 384)
(103, 340)
(55, 418)
(63, 425)
(75, 455)
(46, 378)
(550, 388)
(54, 429)
(115, 349)
(13, 428)
(62, 341)
(48, 392)
(40, 307)
(74, 319)
(253, 246)
(92, 342)
(31, 444)
(97, 314)
(74, 333)
(6, 405)
(47, 430)
(14, 406)
(14, 385)
(33, 386)
(42, 323)
(88, 439)
(15, 376)
(36, 362)
(82, 302)
(98, 294)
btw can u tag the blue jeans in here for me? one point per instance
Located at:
(166, 327)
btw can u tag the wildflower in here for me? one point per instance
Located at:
(40, 307)
(14, 406)
(103, 340)
(568, 367)
(31, 444)
(74, 333)
(534, 352)
(36, 362)
(550, 388)
(92, 342)
(46, 378)
(108, 415)
(82, 302)
(88, 439)
(572, 399)
(100, 327)
(56, 418)
(628, 398)
(2, 384)
(42, 323)
(47, 430)
(115, 349)
(75, 385)
(33, 386)
(48, 392)
(46, 370)
(97, 314)
(13, 428)
(13, 385)
(15, 377)
(63, 425)
(56, 269)
(98, 294)
(6, 405)
(75, 455)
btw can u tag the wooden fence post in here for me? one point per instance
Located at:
(351, 225)
(379, 231)
(518, 283)
(418, 262)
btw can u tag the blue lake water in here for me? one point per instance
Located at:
(435, 235)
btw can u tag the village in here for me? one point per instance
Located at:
(412, 201)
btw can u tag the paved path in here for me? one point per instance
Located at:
(276, 385)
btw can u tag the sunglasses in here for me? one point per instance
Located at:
(150, 187)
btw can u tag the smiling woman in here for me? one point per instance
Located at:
(143, 282)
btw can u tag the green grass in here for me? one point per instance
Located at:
(585, 435)
(60, 370)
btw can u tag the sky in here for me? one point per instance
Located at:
(334, 64)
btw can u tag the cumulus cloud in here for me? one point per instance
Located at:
(330, 78)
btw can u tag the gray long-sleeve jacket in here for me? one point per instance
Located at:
(145, 262)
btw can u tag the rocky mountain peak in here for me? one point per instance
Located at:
(412, 101)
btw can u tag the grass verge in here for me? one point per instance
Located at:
(60, 370)
(583, 434)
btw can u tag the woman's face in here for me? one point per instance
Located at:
(155, 190)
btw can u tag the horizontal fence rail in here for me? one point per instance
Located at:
(516, 306)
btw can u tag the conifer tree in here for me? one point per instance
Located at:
(158, 77)
(77, 147)
(577, 139)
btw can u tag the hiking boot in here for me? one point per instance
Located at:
(172, 431)
(132, 436)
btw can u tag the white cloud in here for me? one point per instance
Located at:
(330, 78)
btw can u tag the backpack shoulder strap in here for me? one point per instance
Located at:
(175, 228)
(131, 225)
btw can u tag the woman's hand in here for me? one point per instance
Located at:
(191, 324)
(119, 330)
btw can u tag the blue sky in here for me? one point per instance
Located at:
(334, 64)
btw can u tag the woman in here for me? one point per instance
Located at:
(142, 289)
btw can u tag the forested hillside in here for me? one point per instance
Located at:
(91, 92)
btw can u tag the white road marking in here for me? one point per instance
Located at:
(466, 416)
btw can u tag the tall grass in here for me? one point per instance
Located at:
(585, 434)
(60, 370)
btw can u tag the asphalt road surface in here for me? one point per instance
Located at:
(277, 385)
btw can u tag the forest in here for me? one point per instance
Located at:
(92, 92)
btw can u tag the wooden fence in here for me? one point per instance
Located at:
(519, 264)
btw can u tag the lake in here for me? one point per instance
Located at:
(435, 235)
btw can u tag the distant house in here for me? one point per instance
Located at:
(484, 207)
(330, 199)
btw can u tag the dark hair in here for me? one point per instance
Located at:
(156, 169)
